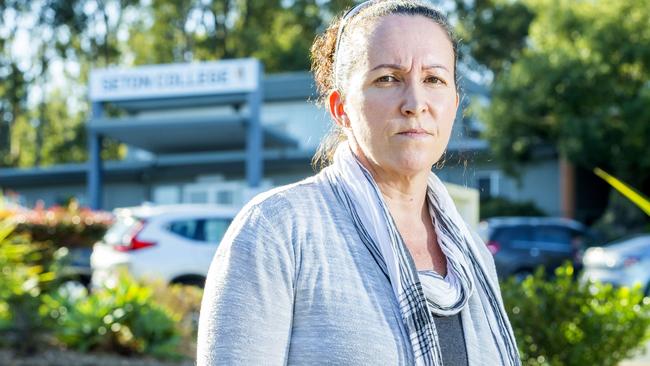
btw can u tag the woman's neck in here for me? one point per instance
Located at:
(405, 200)
(404, 194)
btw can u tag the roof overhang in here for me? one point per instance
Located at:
(185, 134)
(159, 167)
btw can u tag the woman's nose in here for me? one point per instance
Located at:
(414, 102)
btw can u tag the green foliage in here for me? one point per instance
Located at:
(70, 226)
(494, 32)
(583, 77)
(185, 303)
(5, 318)
(124, 319)
(278, 33)
(12, 108)
(51, 128)
(29, 272)
(565, 322)
(499, 206)
(65, 132)
(621, 218)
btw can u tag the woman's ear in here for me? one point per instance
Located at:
(337, 111)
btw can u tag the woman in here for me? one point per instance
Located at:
(368, 262)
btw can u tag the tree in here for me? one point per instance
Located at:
(276, 32)
(86, 34)
(12, 107)
(493, 32)
(584, 77)
(573, 78)
(13, 87)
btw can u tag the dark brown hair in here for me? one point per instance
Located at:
(325, 55)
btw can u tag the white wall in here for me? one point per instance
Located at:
(302, 120)
(540, 182)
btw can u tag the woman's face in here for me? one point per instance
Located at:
(400, 101)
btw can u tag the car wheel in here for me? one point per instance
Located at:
(197, 281)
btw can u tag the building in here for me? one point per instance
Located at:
(240, 133)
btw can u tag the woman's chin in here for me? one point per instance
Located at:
(413, 164)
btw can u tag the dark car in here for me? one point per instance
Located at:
(521, 244)
(76, 266)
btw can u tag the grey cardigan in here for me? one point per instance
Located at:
(291, 283)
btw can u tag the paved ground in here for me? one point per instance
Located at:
(642, 360)
(56, 357)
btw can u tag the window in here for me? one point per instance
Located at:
(203, 230)
(197, 197)
(185, 228)
(487, 183)
(484, 187)
(165, 195)
(214, 230)
(553, 234)
(225, 197)
(512, 235)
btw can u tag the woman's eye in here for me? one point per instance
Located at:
(435, 80)
(386, 79)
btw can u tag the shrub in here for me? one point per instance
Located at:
(566, 322)
(184, 302)
(123, 319)
(70, 226)
(7, 207)
(29, 271)
(5, 213)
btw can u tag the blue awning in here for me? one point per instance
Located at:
(225, 162)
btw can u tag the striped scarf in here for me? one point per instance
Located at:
(422, 295)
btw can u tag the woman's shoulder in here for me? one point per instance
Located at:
(278, 222)
(284, 205)
(304, 195)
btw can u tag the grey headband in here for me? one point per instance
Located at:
(343, 23)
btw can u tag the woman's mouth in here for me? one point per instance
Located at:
(414, 132)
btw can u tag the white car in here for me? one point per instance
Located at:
(172, 243)
(624, 262)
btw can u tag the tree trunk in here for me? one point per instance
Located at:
(42, 111)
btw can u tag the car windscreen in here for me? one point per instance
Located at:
(506, 235)
(554, 234)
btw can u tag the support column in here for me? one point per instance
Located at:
(567, 188)
(254, 136)
(95, 168)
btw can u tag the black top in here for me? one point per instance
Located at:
(452, 340)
